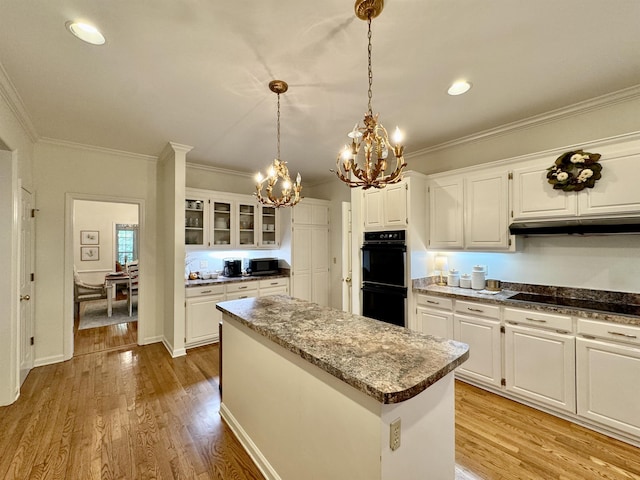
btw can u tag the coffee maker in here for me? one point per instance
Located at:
(232, 267)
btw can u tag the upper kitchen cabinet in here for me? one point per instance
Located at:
(470, 210)
(196, 219)
(386, 208)
(615, 194)
(234, 220)
(269, 233)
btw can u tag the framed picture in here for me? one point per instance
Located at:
(89, 237)
(89, 254)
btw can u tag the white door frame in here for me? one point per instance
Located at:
(70, 198)
(347, 266)
(27, 301)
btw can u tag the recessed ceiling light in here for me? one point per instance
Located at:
(458, 88)
(86, 33)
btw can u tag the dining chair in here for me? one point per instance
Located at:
(132, 271)
(84, 292)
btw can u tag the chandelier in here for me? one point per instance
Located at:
(372, 139)
(278, 171)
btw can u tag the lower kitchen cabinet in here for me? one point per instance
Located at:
(608, 375)
(481, 331)
(201, 315)
(244, 289)
(540, 366)
(434, 316)
(275, 286)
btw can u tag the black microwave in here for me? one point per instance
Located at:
(263, 266)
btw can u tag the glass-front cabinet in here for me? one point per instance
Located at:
(222, 223)
(269, 227)
(195, 220)
(247, 224)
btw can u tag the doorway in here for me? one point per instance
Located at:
(105, 239)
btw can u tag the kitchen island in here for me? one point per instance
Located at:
(312, 392)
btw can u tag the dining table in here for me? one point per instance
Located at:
(112, 280)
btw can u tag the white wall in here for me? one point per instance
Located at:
(101, 217)
(60, 169)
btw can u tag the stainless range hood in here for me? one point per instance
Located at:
(577, 226)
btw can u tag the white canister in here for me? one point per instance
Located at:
(465, 280)
(478, 277)
(453, 280)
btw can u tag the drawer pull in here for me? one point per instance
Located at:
(242, 288)
(478, 310)
(244, 296)
(274, 283)
(431, 301)
(205, 291)
(536, 320)
(625, 335)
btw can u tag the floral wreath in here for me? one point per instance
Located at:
(575, 171)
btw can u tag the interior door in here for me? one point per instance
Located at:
(26, 285)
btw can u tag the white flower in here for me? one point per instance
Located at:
(577, 158)
(585, 174)
(562, 176)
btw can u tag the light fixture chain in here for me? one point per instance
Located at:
(278, 126)
(370, 93)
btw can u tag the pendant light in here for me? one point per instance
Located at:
(278, 171)
(372, 139)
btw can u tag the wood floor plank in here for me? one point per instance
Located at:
(136, 413)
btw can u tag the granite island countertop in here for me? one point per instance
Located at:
(389, 363)
(503, 297)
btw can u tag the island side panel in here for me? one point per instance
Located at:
(427, 439)
(296, 420)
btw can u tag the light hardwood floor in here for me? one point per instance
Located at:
(136, 413)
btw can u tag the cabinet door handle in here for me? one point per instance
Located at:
(536, 320)
(478, 310)
(205, 291)
(625, 335)
(431, 301)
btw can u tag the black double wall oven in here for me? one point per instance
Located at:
(384, 283)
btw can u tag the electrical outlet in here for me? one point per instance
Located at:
(394, 435)
(204, 264)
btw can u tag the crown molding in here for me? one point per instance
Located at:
(225, 171)
(93, 148)
(579, 108)
(13, 100)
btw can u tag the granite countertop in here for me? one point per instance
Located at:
(389, 363)
(221, 279)
(503, 297)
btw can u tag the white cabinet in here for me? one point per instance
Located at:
(539, 357)
(244, 289)
(233, 222)
(310, 251)
(386, 208)
(478, 326)
(470, 210)
(274, 286)
(608, 375)
(446, 215)
(269, 231)
(615, 194)
(434, 316)
(196, 219)
(201, 315)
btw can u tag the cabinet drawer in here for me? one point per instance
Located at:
(242, 286)
(610, 331)
(481, 309)
(434, 302)
(542, 320)
(274, 282)
(204, 290)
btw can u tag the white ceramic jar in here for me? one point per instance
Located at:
(453, 280)
(478, 277)
(465, 280)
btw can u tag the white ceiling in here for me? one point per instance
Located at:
(196, 72)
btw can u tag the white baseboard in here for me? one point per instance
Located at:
(40, 362)
(179, 352)
(252, 449)
(150, 340)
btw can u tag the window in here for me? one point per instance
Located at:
(126, 243)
